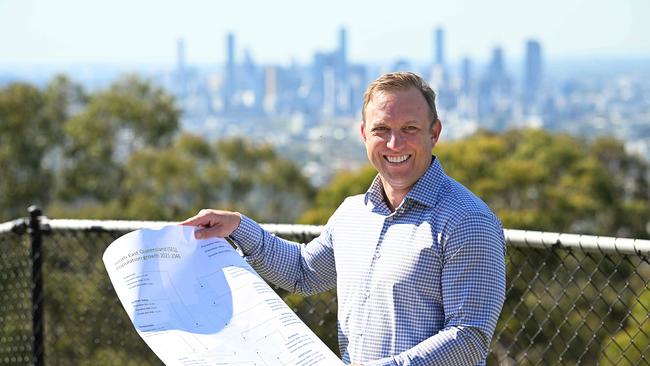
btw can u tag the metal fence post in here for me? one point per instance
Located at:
(36, 255)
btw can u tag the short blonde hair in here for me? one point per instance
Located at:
(402, 80)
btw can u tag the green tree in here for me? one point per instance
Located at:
(260, 183)
(534, 180)
(30, 130)
(537, 180)
(115, 153)
(329, 197)
(174, 183)
(169, 183)
(130, 115)
(630, 346)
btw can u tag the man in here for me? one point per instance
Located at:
(418, 260)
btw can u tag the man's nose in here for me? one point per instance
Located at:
(395, 141)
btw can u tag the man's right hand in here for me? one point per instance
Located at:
(214, 223)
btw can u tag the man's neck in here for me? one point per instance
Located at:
(393, 197)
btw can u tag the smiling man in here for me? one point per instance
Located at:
(399, 130)
(418, 260)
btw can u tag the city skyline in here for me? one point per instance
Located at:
(42, 33)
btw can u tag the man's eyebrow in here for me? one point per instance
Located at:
(377, 123)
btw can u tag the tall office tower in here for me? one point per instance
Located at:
(180, 76)
(440, 46)
(230, 81)
(497, 75)
(230, 52)
(343, 45)
(494, 93)
(532, 73)
(466, 75)
(271, 90)
(341, 82)
(497, 69)
(180, 55)
(467, 98)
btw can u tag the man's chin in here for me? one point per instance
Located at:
(397, 173)
(396, 182)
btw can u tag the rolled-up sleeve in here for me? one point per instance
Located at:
(302, 268)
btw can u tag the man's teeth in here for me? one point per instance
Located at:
(397, 159)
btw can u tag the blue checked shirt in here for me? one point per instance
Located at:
(423, 285)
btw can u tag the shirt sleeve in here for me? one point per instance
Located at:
(301, 268)
(473, 291)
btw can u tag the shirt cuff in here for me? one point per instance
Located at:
(247, 236)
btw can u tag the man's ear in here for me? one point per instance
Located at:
(362, 125)
(436, 130)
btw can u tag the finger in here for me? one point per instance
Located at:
(192, 221)
(199, 219)
(209, 232)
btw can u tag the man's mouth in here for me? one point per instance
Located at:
(397, 159)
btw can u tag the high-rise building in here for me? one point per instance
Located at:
(230, 52)
(494, 93)
(466, 106)
(532, 73)
(342, 82)
(180, 55)
(439, 46)
(497, 75)
(180, 76)
(466, 75)
(271, 90)
(497, 67)
(230, 81)
(343, 45)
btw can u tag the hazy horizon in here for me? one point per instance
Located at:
(38, 32)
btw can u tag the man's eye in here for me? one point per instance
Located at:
(410, 128)
(379, 129)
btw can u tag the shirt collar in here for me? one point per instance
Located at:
(425, 190)
(375, 194)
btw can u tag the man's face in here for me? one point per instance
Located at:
(399, 137)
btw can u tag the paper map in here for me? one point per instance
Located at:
(197, 302)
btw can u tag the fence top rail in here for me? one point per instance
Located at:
(7, 226)
(516, 238)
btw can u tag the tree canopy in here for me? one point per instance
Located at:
(534, 180)
(119, 153)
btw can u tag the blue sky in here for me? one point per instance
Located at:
(145, 31)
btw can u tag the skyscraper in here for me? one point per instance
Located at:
(180, 55)
(532, 73)
(180, 76)
(341, 84)
(497, 76)
(494, 93)
(343, 45)
(497, 68)
(439, 46)
(230, 81)
(466, 75)
(230, 51)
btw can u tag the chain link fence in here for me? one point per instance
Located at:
(570, 299)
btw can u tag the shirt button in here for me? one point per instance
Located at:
(377, 255)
